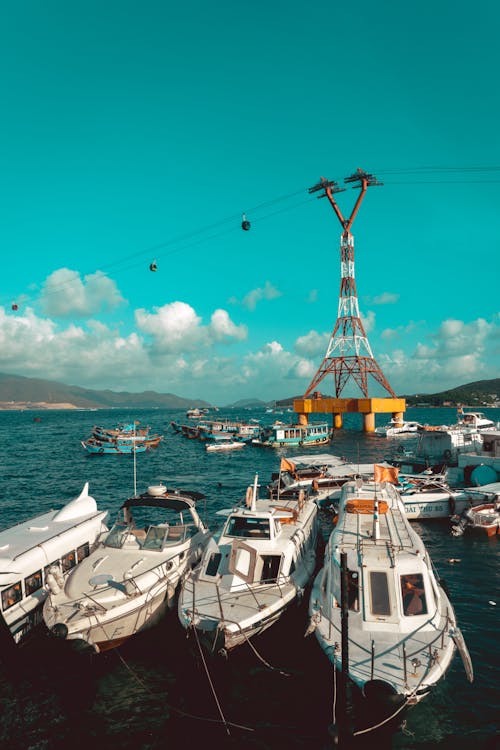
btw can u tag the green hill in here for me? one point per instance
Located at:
(19, 389)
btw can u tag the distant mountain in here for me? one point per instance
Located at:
(479, 393)
(34, 390)
(248, 403)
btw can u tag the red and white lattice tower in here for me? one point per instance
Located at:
(348, 354)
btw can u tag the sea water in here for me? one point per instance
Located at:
(157, 691)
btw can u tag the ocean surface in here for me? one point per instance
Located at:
(156, 691)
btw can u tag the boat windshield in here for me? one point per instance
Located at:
(249, 527)
(117, 535)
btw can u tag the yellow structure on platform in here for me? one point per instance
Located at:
(368, 407)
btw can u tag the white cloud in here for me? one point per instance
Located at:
(65, 294)
(368, 321)
(222, 327)
(252, 298)
(176, 328)
(313, 344)
(386, 298)
(457, 353)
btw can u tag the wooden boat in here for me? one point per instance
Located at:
(377, 604)
(128, 582)
(106, 447)
(260, 565)
(281, 435)
(36, 553)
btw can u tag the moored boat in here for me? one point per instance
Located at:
(128, 582)
(260, 564)
(223, 444)
(378, 605)
(397, 428)
(123, 447)
(281, 435)
(41, 551)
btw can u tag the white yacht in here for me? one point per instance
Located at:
(35, 552)
(257, 567)
(399, 428)
(400, 633)
(132, 577)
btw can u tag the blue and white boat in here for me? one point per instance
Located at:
(281, 435)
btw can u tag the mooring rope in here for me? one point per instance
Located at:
(174, 708)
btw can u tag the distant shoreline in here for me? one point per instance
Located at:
(32, 405)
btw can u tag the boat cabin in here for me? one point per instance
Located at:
(36, 555)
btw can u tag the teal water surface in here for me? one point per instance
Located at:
(156, 690)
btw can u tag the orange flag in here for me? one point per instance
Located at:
(385, 473)
(287, 465)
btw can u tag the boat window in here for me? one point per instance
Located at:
(380, 602)
(251, 528)
(12, 595)
(155, 537)
(117, 535)
(68, 561)
(413, 593)
(83, 551)
(33, 582)
(213, 564)
(270, 568)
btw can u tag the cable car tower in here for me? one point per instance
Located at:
(349, 354)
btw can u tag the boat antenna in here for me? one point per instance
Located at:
(254, 494)
(135, 463)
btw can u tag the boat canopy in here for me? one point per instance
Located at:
(172, 502)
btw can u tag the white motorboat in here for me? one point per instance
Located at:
(37, 551)
(378, 604)
(128, 582)
(260, 564)
(224, 444)
(398, 428)
(482, 516)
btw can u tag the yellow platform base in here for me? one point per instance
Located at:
(368, 407)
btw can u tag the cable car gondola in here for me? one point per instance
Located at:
(245, 224)
(15, 307)
(153, 266)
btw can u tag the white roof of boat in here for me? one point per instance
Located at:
(493, 487)
(17, 539)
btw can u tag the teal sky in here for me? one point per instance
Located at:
(133, 132)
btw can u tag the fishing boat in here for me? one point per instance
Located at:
(119, 447)
(323, 475)
(223, 444)
(40, 550)
(131, 579)
(281, 435)
(377, 609)
(260, 564)
(130, 430)
(398, 428)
